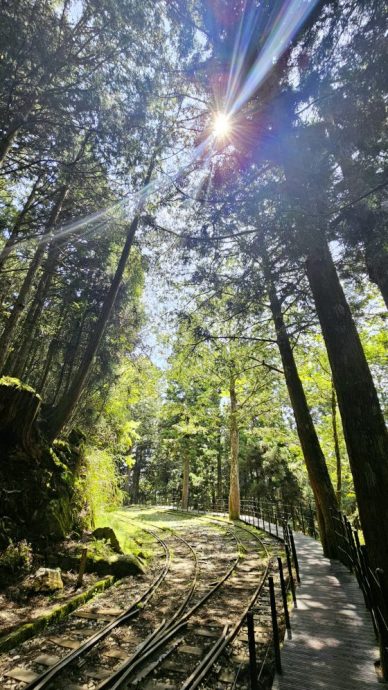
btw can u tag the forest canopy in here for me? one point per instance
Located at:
(194, 257)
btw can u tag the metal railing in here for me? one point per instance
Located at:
(265, 518)
(277, 518)
(354, 556)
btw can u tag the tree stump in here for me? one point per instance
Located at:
(19, 408)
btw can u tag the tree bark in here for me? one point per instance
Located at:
(219, 470)
(13, 321)
(234, 490)
(4, 254)
(60, 415)
(7, 140)
(363, 423)
(320, 481)
(185, 481)
(17, 362)
(337, 451)
(136, 473)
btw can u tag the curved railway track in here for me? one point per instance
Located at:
(178, 584)
(199, 601)
(185, 653)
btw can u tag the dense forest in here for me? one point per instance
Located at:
(193, 260)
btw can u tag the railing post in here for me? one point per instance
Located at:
(382, 623)
(302, 519)
(252, 651)
(293, 517)
(314, 531)
(284, 594)
(290, 574)
(275, 629)
(294, 556)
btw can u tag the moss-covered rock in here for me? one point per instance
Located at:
(109, 535)
(118, 565)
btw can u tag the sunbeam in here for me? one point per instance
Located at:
(292, 15)
(280, 31)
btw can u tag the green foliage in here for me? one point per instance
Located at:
(16, 559)
(100, 485)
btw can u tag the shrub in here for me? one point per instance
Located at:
(15, 560)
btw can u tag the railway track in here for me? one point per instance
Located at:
(183, 654)
(96, 649)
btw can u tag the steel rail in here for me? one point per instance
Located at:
(169, 630)
(43, 680)
(122, 674)
(205, 666)
(210, 659)
(192, 588)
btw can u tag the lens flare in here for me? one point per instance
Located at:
(284, 26)
(221, 125)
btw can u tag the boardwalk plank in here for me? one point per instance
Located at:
(332, 646)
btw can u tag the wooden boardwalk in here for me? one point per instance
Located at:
(332, 643)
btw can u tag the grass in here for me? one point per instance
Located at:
(132, 538)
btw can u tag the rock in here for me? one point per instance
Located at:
(109, 535)
(119, 566)
(44, 580)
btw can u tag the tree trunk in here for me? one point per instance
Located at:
(19, 408)
(70, 357)
(312, 452)
(136, 474)
(60, 415)
(336, 444)
(13, 321)
(17, 309)
(234, 491)
(17, 362)
(366, 222)
(4, 254)
(219, 470)
(363, 423)
(52, 348)
(7, 140)
(185, 481)
(376, 261)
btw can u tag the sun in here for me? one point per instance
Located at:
(221, 125)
